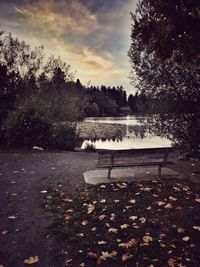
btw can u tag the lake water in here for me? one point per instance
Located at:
(130, 139)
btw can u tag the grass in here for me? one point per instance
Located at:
(146, 224)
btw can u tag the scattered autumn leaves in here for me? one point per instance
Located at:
(114, 224)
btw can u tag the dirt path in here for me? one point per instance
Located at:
(22, 178)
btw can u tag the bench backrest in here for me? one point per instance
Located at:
(133, 156)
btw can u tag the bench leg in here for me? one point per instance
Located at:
(109, 172)
(159, 171)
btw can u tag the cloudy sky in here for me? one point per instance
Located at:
(93, 36)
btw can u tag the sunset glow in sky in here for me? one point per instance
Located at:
(93, 36)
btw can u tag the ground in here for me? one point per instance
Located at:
(24, 178)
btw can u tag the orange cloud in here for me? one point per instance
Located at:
(44, 15)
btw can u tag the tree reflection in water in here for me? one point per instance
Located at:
(182, 129)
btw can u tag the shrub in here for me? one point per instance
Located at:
(64, 136)
(28, 126)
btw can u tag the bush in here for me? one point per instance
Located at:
(28, 126)
(64, 136)
(32, 124)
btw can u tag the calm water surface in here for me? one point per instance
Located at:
(130, 140)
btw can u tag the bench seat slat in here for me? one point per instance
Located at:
(135, 164)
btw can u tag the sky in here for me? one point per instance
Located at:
(93, 36)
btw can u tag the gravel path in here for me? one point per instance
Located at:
(22, 178)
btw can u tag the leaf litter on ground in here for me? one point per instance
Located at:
(150, 224)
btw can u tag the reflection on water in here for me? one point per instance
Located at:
(129, 132)
(125, 120)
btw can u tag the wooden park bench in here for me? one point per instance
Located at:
(133, 158)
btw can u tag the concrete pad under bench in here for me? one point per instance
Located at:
(99, 176)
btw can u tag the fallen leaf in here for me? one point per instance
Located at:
(4, 232)
(102, 242)
(81, 234)
(133, 218)
(113, 230)
(124, 226)
(123, 185)
(147, 239)
(67, 261)
(146, 189)
(70, 210)
(93, 229)
(82, 264)
(116, 200)
(105, 256)
(109, 255)
(128, 207)
(181, 230)
(126, 257)
(67, 217)
(197, 200)
(90, 208)
(142, 220)
(102, 217)
(43, 192)
(172, 198)
(196, 228)
(171, 262)
(67, 200)
(132, 201)
(162, 245)
(102, 201)
(149, 208)
(131, 243)
(85, 222)
(31, 260)
(186, 238)
(176, 189)
(112, 217)
(161, 203)
(168, 206)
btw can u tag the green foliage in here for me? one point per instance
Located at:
(173, 85)
(27, 126)
(64, 136)
(168, 29)
(32, 124)
(92, 110)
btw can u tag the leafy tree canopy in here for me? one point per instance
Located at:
(168, 29)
